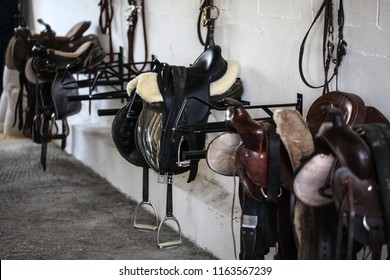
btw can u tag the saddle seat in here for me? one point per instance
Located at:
(210, 63)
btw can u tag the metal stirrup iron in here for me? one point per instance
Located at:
(145, 202)
(169, 217)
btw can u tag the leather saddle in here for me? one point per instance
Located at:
(21, 45)
(347, 170)
(178, 95)
(252, 156)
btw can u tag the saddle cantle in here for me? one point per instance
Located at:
(352, 107)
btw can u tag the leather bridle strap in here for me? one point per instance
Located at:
(327, 44)
(206, 19)
(323, 7)
(132, 19)
(105, 19)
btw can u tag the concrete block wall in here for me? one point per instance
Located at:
(264, 37)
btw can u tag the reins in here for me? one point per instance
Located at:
(328, 46)
(132, 18)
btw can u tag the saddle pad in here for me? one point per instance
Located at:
(146, 84)
(220, 155)
(294, 134)
(311, 177)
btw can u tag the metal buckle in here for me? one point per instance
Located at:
(249, 221)
(164, 179)
(141, 226)
(171, 243)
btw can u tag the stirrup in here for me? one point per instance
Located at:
(172, 243)
(148, 227)
(182, 163)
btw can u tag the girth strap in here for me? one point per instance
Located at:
(273, 187)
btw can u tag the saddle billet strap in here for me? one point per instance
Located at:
(324, 228)
(375, 134)
(273, 187)
(347, 206)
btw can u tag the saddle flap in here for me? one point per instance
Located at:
(123, 131)
(64, 108)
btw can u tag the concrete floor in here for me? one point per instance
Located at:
(70, 212)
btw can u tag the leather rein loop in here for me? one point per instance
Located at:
(105, 19)
(135, 6)
(327, 44)
(208, 13)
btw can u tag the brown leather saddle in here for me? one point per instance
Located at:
(46, 62)
(263, 167)
(350, 182)
(252, 156)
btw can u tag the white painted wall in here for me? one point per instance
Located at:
(264, 36)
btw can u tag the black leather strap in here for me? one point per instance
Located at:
(327, 44)
(273, 187)
(132, 22)
(258, 227)
(105, 19)
(204, 11)
(378, 138)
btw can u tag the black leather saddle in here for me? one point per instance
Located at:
(171, 96)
